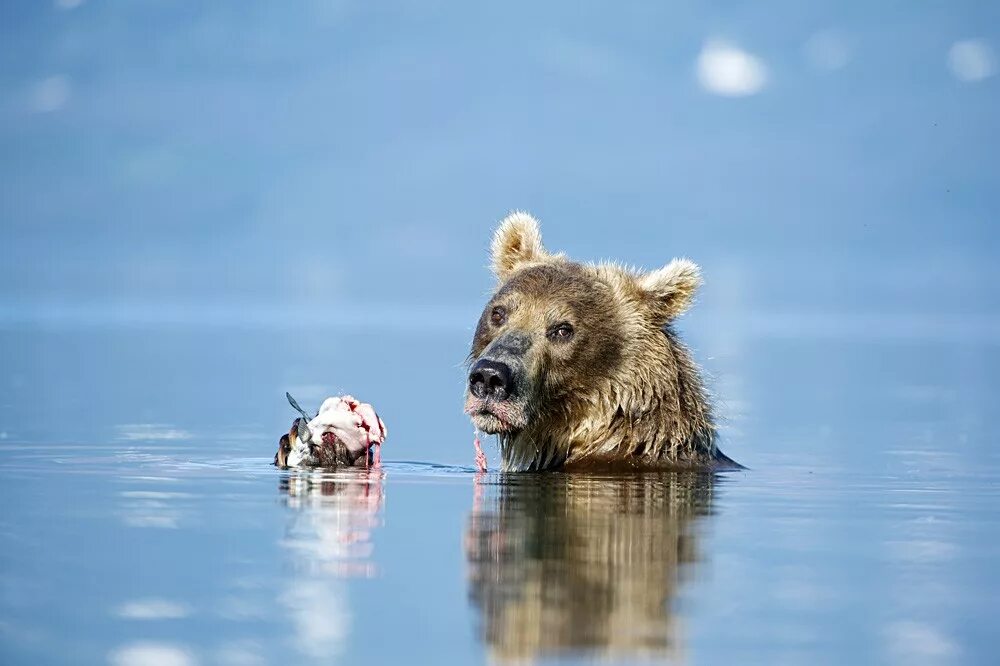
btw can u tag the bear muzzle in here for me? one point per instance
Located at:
(492, 399)
(498, 385)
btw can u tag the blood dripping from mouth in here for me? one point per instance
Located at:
(480, 456)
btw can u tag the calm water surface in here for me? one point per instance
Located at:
(144, 524)
(182, 182)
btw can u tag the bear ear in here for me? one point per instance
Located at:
(517, 240)
(672, 287)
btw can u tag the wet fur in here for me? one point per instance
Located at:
(626, 393)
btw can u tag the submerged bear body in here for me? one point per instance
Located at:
(576, 365)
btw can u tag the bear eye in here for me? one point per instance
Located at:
(499, 315)
(561, 332)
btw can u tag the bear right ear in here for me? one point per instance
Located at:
(517, 241)
(672, 287)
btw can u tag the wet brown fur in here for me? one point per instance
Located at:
(624, 391)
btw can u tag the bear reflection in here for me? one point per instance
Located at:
(578, 563)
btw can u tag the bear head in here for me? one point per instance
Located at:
(573, 361)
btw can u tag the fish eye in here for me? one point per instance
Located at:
(498, 316)
(560, 332)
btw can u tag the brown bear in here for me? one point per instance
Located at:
(578, 364)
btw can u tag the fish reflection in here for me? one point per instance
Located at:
(329, 538)
(570, 563)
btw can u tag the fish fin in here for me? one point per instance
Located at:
(295, 406)
(302, 431)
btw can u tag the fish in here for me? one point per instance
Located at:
(345, 431)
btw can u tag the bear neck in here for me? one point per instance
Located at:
(653, 412)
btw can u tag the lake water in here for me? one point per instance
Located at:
(144, 524)
(204, 205)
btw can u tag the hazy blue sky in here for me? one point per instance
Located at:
(252, 155)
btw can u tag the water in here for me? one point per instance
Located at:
(203, 206)
(143, 522)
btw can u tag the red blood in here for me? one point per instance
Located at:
(480, 456)
(329, 438)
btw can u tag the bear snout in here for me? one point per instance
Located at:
(491, 379)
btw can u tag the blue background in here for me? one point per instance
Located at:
(204, 205)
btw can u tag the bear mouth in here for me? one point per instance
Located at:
(490, 423)
(493, 417)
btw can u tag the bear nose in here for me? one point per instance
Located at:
(491, 379)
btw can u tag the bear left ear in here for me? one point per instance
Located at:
(517, 241)
(672, 287)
